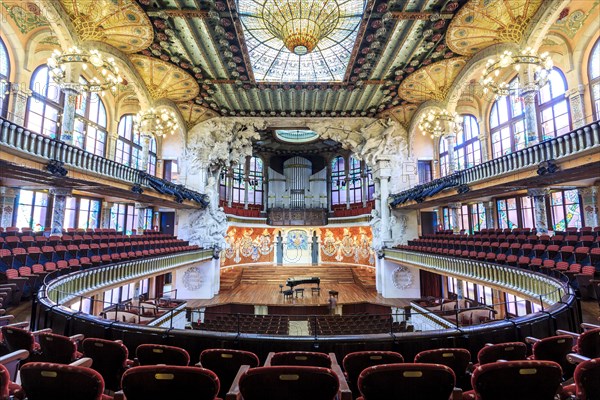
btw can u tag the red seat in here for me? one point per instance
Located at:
(455, 358)
(226, 364)
(502, 351)
(554, 348)
(58, 349)
(416, 381)
(587, 380)
(357, 362)
(302, 358)
(154, 354)
(110, 360)
(19, 339)
(9, 389)
(588, 343)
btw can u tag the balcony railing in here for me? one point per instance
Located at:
(531, 285)
(577, 141)
(18, 138)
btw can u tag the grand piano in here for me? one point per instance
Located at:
(291, 282)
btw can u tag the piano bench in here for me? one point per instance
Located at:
(288, 294)
(315, 289)
(299, 291)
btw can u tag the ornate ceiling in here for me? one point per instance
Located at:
(212, 57)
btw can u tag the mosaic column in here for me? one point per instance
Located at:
(483, 141)
(440, 219)
(450, 139)
(589, 203)
(488, 206)
(19, 109)
(68, 117)
(145, 156)
(528, 94)
(7, 204)
(141, 217)
(577, 106)
(111, 148)
(454, 220)
(106, 207)
(435, 170)
(58, 209)
(539, 208)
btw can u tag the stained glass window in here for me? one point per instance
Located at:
(444, 158)
(45, 105)
(4, 78)
(508, 215)
(338, 181)
(507, 126)
(129, 149)
(594, 73)
(355, 181)
(90, 123)
(32, 209)
(255, 181)
(566, 212)
(553, 108)
(468, 148)
(152, 157)
(272, 61)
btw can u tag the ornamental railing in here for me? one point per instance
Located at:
(528, 284)
(15, 137)
(69, 287)
(572, 143)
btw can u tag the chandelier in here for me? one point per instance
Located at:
(103, 72)
(158, 122)
(438, 123)
(541, 66)
(300, 24)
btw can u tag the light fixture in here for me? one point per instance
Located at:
(437, 123)
(65, 68)
(541, 66)
(300, 24)
(158, 122)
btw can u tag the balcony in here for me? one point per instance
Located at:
(550, 162)
(80, 165)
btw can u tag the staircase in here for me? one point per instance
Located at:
(364, 277)
(230, 278)
(278, 275)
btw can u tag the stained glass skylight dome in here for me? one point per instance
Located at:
(296, 135)
(272, 61)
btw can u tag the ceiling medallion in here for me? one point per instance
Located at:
(300, 24)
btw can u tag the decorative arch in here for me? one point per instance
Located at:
(541, 22)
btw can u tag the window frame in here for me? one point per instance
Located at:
(123, 140)
(551, 104)
(6, 77)
(47, 103)
(47, 212)
(594, 81)
(565, 213)
(512, 120)
(90, 125)
(78, 212)
(255, 174)
(339, 185)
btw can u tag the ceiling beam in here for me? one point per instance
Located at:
(176, 12)
(419, 15)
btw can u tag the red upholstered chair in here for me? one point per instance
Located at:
(226, 364)
(8, 388)
(288, 383)
(516, 380)
(456, 359)
(48, 381)
(587, 380)
(110, 360)
(154, 354)
(21, 339)
(588, 343)
(58, 349)
(553, 348)
(508, 351)
(169, 382)
(355, 363)
(302, 358)
(406, 381)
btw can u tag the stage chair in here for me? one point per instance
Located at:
(59, 349)
(285, 383)
(169, 382)
(459, 360)
(508, 351)
(586, 377)
(516, 380)
(357, 362)
(415, 381)
(48, 381)
(155, 354)
(300, 358)
(226, 364)
(110, 360)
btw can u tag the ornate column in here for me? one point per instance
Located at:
(67, 124)
(489, 214)
(435, 165)
(58, 209)
(106, 207)
(145, 138)
(539, 204)
(450, 139)
(384, 173)
(528, 93)
(19, 107)
(440, 219)
(141, 217)
(589, 200)
(483, 142)
(7, 206)
(577, 106)
(111, 146)
(454, 220)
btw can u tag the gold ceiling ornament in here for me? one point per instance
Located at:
(165, 80)
(193, 114)
(539, 66)
(120, 23)
(480, 24)
(432, 82)
(157, 122)
(438, 123)
(403, 114)
(300, 24)
(102, 72)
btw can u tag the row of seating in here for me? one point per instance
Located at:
(355, 325)
(261, 324)
(12, 242)
(584, 230)
(16, 231)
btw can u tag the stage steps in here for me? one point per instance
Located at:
(278, 275)
(230, 278)
(365, 277)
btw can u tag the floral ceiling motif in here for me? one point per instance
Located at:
(26, 15)
(164, 80)
(402, 114)
(431, 82)
(480, 24)
(193, 113)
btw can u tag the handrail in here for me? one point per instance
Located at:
(18, 138)
(529, 284)
(576, 141)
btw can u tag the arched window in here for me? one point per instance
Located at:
(239, 185)
(338, 181)
(553, 107)
(594, 76)
(444, 158)
(129, 148)
(4, 79)
(45, 105)
(468, 148)
(152, 157)
(507, 124)
(90, 123)
(255, 181)
(355, 180)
